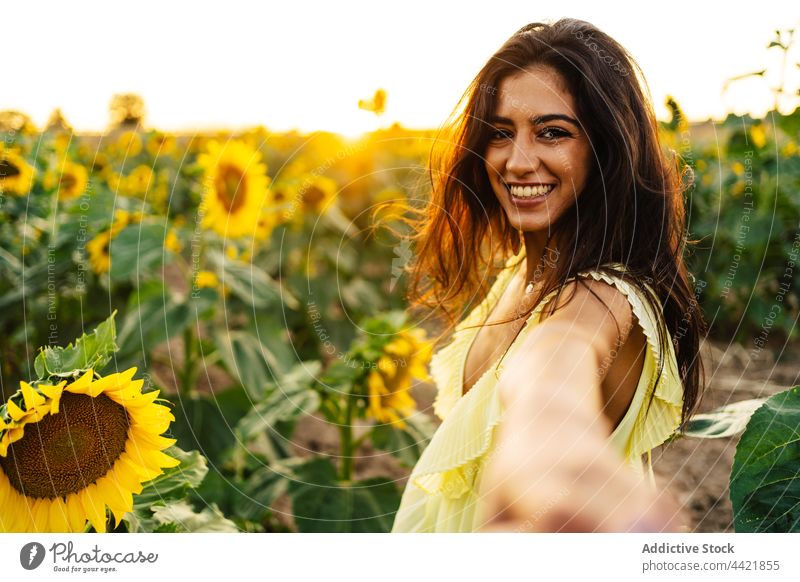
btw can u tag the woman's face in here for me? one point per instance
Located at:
(538, 155)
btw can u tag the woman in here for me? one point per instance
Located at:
(583, 355)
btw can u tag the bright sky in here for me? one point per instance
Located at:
(306, 64)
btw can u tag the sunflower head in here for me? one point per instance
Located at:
(137, 183)
(317, 193)
(235, 188)
(99, 247)
(206, 280)
(404, 358)
(160, 144)
(127, 145)
(69, 179)
(16, 175)
(71, 451)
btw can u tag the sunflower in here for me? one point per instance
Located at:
(206, 280)
(403, 358)
(315, 193)
(236, 188)
(127, 145)
(137, 183)
(160, 144)
(172, 242)
(16, 175)
(99, 246)
(69, 179)
(70, 451)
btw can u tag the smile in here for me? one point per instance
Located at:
(525, 192)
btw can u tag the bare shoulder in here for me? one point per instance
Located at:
(596, 310)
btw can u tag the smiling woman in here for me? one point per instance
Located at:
(554, 170)
(538, 156)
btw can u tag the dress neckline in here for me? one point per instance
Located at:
(491, 304)
(492, 300)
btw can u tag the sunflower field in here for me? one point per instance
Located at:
(193, 297)
(173, 307)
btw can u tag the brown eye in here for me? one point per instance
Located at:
(554, 133)
(500, 134)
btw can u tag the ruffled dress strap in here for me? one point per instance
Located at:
(655, 411)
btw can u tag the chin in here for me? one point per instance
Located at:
(528, 223)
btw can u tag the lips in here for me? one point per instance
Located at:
(530, 191)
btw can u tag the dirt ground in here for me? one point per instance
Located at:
(695, 470)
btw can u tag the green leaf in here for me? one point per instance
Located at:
(322, 504)
(175, 481)
(361, 296)
(207, 423)
(765, 479)
(262, 487)
(405, 444)
(90, 351)
(727, 421)
(291, 398)
(138, 249)
(169, 487)
(152, 318)
(183, 518)
(252, 284)
(247, 360)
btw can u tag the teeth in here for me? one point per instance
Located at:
(530, 191)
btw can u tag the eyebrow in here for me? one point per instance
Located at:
(538, 119)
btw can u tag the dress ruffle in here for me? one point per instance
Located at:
(447, 364)
(451, 463)
(655, 424)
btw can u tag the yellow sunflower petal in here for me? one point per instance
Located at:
(75, 514)
(14, 411)
(144, 473)
(151, 459)
(52, 391)
(81, 385)
(153, 441)
(126, 477)
(120, 502)
(94, 507)
(112, 382)
(41, 515)
(30, 396)
(59, 522)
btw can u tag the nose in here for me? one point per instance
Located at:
(523, 158)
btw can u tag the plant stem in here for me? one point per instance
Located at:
(188, 375)
(347, 449)
(357, 443)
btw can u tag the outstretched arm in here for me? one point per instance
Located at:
(552, 469)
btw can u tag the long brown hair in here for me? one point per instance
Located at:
(631, 211)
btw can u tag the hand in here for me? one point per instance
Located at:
(552, 469)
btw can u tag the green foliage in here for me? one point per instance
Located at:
(282, 403)
(91, 351)
(727, 421)
(162, 507)
(320, 503)
(765, 479)
(405, 444)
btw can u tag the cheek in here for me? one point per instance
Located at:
(492, 168)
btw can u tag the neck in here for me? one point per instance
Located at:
(539, 256)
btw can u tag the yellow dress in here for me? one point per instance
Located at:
(443, 490)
